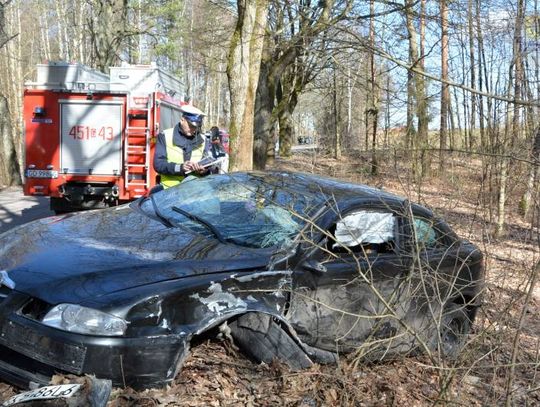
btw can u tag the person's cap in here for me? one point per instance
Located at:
(193, 115)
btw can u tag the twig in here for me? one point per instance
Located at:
(515, 346)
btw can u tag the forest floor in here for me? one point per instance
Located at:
(500, 360)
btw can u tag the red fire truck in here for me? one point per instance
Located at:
(90, 137)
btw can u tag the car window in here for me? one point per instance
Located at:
(427, 234)
(246, 210)
(365, 231)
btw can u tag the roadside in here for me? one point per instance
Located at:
(17, 209)
(486, 373)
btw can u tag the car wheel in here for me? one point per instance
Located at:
(261, 338)
(455, 326)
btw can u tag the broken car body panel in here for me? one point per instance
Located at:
(338, 267)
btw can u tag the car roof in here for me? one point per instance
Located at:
(345, 193)
(328, 186)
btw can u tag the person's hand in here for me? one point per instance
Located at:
(193, 166)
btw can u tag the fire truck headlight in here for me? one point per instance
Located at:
(74, 318)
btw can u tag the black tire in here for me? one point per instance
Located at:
(261, 338)
(59, 205)
(455, 326)
(62, 205)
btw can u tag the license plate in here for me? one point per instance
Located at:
(41, 174)
(61, 391)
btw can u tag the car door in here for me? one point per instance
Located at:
(441, 263)
(350, 290)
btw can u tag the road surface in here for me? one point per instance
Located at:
(16, 209)
(304, 147)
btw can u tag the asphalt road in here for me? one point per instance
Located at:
(304, 147)
(16, 209)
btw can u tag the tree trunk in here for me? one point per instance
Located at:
(445, 89)
(337, 144)
(243, 68)
(264, 119)
(286, 132)
(472, 64)
(350, 87)
(533, 176)
(10, 171)
(4, 36)
(422, 100)
(373, 107)
(410, 134)
(10, 128)
(516, 80)
(416, 90)
(534, 170)
(481, 114)
(62, 23)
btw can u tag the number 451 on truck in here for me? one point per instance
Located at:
(90, 136)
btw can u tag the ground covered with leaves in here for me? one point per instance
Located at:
(500, 363)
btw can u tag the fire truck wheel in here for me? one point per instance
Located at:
(58, 205)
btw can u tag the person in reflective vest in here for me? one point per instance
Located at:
(179, 149)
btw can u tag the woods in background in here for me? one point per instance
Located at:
(423, 78)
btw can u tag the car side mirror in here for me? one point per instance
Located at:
(314, 265)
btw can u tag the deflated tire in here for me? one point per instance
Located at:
(261, 338)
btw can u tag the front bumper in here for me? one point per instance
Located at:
(32, 353)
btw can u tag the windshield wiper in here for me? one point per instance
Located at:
(162, 218)
(203, 222)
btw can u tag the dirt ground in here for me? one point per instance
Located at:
(500, 360)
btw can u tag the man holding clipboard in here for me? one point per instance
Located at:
(180, 149)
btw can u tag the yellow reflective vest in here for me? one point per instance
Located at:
(175, 154)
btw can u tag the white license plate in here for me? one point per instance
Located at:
(60, 391)
(41, 174)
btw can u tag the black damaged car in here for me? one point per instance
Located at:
(292, 266)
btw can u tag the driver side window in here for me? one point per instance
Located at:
(365, 232)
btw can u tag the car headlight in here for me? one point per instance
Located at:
(74, 318)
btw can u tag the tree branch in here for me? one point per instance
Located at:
(425, 74)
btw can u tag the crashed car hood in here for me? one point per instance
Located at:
(74, 257)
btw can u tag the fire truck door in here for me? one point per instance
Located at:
(91, 137)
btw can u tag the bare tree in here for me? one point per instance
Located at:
(533, 176)
(372, 111)
(474, 101)
(243, 69)
(108, 26)
(10, 127)
(445, 88)
(291, 59)
(511, 133)
(417, 104)
(4, 36)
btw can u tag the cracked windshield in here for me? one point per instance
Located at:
(242, 210)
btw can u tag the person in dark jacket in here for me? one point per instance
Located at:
(179, 150)
(216, 151)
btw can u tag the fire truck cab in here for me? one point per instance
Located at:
(89, 137)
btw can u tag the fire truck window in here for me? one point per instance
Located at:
(168, 117)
